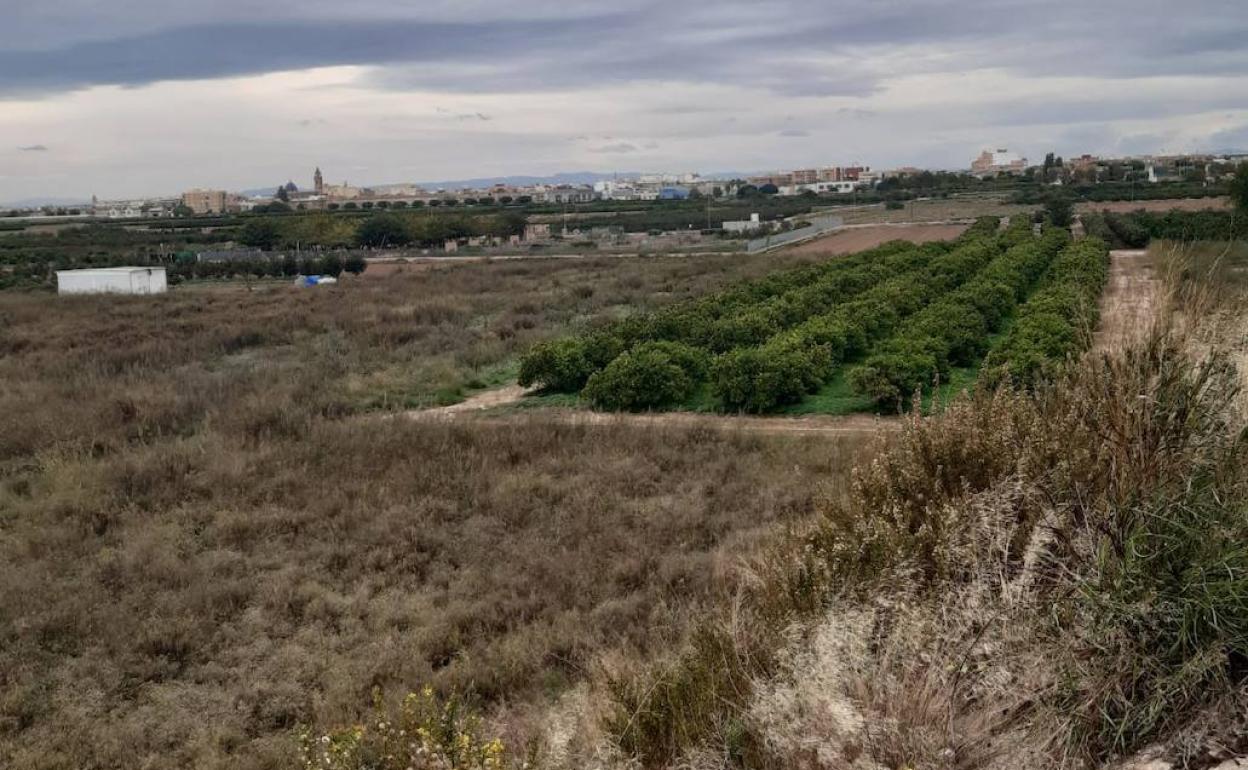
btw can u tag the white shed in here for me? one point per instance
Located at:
(112, 280)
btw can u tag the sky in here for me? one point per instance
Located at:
(131, 98)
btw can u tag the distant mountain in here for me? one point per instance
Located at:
(569, 178)
(572, 178)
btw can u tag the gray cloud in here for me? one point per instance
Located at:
(792, 47)
(619, 148)
(1230, 139)
(33, 148)
(680, 85)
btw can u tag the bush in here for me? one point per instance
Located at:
(382, 230)
(892, 376)
(557, 365)
(647, 377)
(762, 379)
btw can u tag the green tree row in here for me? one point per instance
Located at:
(1057, 321)
(381, 230)
(565, 365)
(955, 330)
(798, 362)
(1137, 229)
(760, 343)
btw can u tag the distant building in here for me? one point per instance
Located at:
(750, 225)
(112, 280)
(536, 232)
(995, 162)
(563, 194)
(821, 188)
(206, 201)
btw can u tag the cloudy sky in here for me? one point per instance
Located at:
(145, 97)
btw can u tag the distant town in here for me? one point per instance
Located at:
(324, 195)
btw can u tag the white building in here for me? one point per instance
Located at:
(744, 225)
(112, 280)
(821, 188)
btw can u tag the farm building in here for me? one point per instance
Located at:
(112, 280)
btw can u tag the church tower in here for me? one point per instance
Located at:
(318, 182)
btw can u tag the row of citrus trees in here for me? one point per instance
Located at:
(914, 310)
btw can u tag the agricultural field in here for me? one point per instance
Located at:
(241, 513)
(864, 332)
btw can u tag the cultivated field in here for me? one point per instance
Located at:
(862, 238)
(860, 333)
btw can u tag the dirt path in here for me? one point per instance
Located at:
(1130, 300)
(478, 403)
(853, 425)
(475, 408)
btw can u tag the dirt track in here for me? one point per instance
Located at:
(476, 408)
(853, 239)
(1130, 300)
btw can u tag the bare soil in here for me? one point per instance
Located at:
(1129, 304)
(479, 402)
(855, 239)
(1178, 204)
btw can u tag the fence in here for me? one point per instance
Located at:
(818, 226)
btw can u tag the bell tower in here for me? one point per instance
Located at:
(318, 182)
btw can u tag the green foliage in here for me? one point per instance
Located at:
(954, 331)
(1057, 321)
(906, 363)
(1135, 230)
(650, 376)
(1239, 188)
(558, 365)
(763, 379)
(383, 230)
(263, 233)
(1059, 209)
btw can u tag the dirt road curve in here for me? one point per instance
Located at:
(1130, 300)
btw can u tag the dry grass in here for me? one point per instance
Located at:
(198, 550)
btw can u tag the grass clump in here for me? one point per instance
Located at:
(424, 733)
